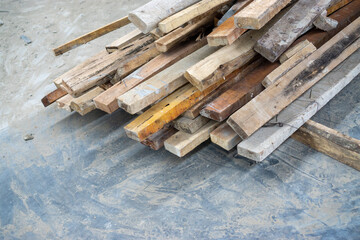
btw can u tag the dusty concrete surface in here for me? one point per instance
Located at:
(82, 178)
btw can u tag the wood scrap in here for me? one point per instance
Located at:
(125, 40)
(288, 65)
(225, 137)
(293, 84)
(293, 50)
(284, 32)
(325, 23)
(342, 148)
(91, 36)
(160, 85)
(227, 32)
(107, 101)
(204, 7)
(156, 141)
(258, 13)
(64, 102)
(84, 104)
(148, 16)
(190, 125)
(183, 143)
(232, 11)
(53, 96)
(267, 139)
(104, 68)
(238, 95)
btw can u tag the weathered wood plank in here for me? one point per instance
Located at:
(64, 102)
(101, 70)
(91, 36)
(227, 32)
(293, 50)
(125, 40)
(160, 85)
(225, 137)
(199, 9)
(263, 142)
(84, 104)
(156, 141)
(238, 95)
(279, 37)
(183, 143)
(53, 96)
(258, 13)
(288, 65)
(325, 23)
(148, 16)
(107, 101)
(330, 142)
(293, 84)
(190, 125)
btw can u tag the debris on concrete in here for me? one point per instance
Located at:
(26, 39)
(29, 137)
(1, 23)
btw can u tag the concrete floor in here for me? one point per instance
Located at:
(82, 178)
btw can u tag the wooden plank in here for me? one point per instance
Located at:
(232, 79)
(201, 8)
(107, 101)
(258, 13)
(293, 84)
(226, 59)
(338, 5)
(91, 36)
(340, 147)
(124, 40)
(233, 10)
(263, 142)
(225, 137)
(84, 104)
(275, 42)
(64, 102)
(104, 68)
(156, 141)
(325, 23)
(238, 95)
(160, 85)
(53, 96)
(148, 16)
(190, 125)
(293, 50)
(166, 111)
(172, 39)
(227, 32)
(288, 65)
(183, 143)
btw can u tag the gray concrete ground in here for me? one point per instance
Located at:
(82, 178)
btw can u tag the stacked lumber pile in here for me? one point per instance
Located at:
(245, 73)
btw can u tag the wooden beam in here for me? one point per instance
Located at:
(84, 104)
(64, 102)
(53, 96)
(267, 139)
(258, 13)
(172, 39)
(183, 143)
(233, 78)
(103, 69)
(338, 5)
(123, 41)
(227, 32)
(293, 84)
(227, 59)
(275, 42)
(336, 145)
(293, 50)
(148, 16)
(107, 101)
(199, 9)
(238, 95)
(156, 141)
(233, 10)
(190, 125)
(288, 65)
(91, 36)
(225, 137)
(160, 85)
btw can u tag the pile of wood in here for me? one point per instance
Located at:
(245, 73)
